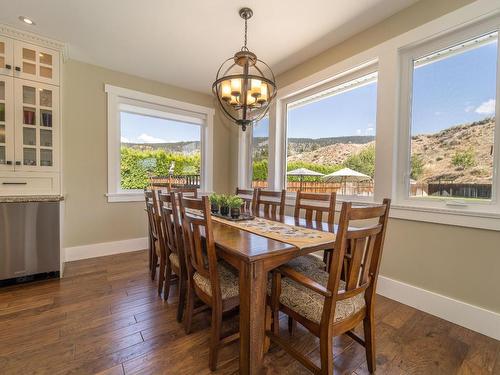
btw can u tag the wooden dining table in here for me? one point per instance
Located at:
(254, 255)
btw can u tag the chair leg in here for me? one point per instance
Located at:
(161, 275)
(292, 324)
(215, 338)
(326, 352)
(269, 322)
(371, 357)
(154, 262)
(188, 314)
(182, 298)
(168, 277)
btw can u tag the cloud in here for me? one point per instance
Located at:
(486, 108)
(358, 131)
(146, 138)
(124, 140)
(370, 130)
(469, 108)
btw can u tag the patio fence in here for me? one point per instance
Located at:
(176, 181)
(360, 188)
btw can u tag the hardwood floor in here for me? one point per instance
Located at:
(105, 317)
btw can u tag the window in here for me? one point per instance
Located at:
(151, 137)
(154, 147)
(331, 138)
(452, 129)
(260, 153)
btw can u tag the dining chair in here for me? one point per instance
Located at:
(248, 196)
(272, 203)
(157, 251)
(326, 305)
(174, 249)
(213, 281)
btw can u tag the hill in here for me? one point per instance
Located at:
(190, 147)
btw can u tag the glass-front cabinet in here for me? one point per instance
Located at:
(6, 123)
(29, 114)
(36, 63)
(36, 125)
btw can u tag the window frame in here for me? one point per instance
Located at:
(407, 55)
(126, 100)
(280, 159)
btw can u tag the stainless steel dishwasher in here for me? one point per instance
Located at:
(29, 241)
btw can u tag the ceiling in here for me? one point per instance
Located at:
(183, 42)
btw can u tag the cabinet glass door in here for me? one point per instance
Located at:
(6, 123)
(6, 51)
(35, 127)
(36, 63)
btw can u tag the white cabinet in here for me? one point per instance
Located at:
(36, 63)
(29, 118)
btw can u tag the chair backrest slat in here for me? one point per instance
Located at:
(315, 211)
(191, 192)
(272, 203)
(170, 222)
(151, 210)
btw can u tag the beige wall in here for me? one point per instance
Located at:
(89, 218)
(461, 263)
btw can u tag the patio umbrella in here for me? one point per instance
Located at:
(346, 175)
(301, 172)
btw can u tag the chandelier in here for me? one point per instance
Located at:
(244, 86)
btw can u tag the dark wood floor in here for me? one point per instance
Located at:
(105, 317)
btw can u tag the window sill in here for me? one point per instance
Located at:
(468, 219)
(133, 196)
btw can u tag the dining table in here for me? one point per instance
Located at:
(254, 254)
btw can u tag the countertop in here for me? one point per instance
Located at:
(31, 198)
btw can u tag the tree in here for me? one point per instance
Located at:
(363, 161)
(417, 166)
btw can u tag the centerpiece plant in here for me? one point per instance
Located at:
(224, 205)
(235, 203)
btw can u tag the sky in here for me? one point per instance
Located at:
(452, 91)
(144, 129)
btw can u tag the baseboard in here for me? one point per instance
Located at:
(104, 248)
(458, 312)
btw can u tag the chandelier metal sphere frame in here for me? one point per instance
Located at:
(245, 86)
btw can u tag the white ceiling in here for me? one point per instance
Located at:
(183, 42)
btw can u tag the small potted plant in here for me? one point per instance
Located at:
(224, 205)
(235, 203)
(214, 202)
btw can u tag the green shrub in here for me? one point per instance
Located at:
(464, 159)
(363, 161)
(134, 170)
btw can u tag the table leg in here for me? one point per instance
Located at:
(253, 283)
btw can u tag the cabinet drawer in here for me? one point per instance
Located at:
(28, 185)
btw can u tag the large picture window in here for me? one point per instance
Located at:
(260, 153)
(331, 139)
(452, 122)
(154, 147)
(155, 138)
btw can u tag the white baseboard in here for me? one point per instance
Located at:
(104, 248)
(458, 312)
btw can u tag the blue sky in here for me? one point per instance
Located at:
(447, 92)
(143, 129)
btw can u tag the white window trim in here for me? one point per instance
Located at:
(387, 54)
(158, 106)
(407, 56)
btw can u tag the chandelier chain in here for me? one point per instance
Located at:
(244, 48)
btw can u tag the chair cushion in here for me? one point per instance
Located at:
(228, 281)
(306, 262)
(174, 259)
(309, 304)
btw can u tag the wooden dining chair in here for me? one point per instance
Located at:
(270, 204)
(174, 249)
(213, 281)
(157, 251)
(326, 305)
(248, 196)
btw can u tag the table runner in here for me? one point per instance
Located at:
(293, 235)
